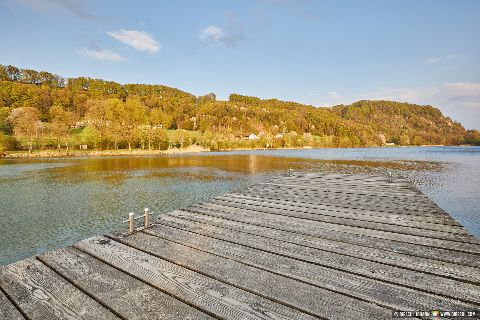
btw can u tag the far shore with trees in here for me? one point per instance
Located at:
(44, 114)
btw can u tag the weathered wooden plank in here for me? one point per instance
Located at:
(362, 215)
(346, 203)
(437, 218)
(434, 223)
(348, 191)
(381, 182)
(450, 270)
(42, 294)
(332, 218)
(344, 178)
(384, 185)
(367, 289)
(307, 298)
(305, 228)
(355, 201)
(207, 294)
(351, 189)
(404, 277)
(424, 241)
(129, 297)
(8, 310)
(343, 192)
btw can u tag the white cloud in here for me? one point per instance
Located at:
(431, 60)
(102, 54)
(464, 88)
(459, 100)
(214, 34)
(139, 40)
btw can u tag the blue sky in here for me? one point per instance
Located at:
(314, 52)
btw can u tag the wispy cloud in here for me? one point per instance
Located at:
(215, 34)
(75, 7)
(402, 94)
(431, 60)
(460, 100)
(102, 54)
(439, 59)
(464, 88)
(139, 40)
(212, 33)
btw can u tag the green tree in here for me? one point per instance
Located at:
(26, 124)
(90, 136)
(160, 138)
(115, 120)
(134, 116)
(4, 122)
(60, 123)
(97, 118)
(3, 142)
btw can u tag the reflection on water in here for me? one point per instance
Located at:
(51, 203)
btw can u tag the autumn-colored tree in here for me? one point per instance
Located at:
(26, 124)
(117, 113)
(97, 118)
(4, 116)
(134, 116)
(60, 123)
(3, 142)
(160, 138)
(90, 136)
(115, 120)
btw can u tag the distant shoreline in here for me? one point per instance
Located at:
(99, 153)
(141, 152)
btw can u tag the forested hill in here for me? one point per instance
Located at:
(40, 110)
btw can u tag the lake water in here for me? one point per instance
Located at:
(51, 203)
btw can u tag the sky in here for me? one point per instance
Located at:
(322, 53)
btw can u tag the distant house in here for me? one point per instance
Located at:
(78, 125)
(253, 136)
(83, 147)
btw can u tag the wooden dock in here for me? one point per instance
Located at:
(307, 246)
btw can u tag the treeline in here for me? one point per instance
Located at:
(40, 110)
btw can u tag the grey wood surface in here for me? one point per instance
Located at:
(8, 310)
(42, 294)
(434, 266)
(205, 293)
(353, 230)
(371, 216)
(438, 218)
(454, 235)
(305, 228)
(413, 279)
(363, 288)
(307, 246)
(275, 287)
(127, 296)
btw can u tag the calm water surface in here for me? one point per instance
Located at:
(51, 203)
